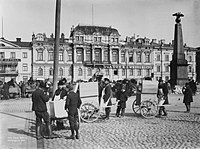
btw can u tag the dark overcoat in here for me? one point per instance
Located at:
(187, 95)
(39, 100)
(107, 94)
(73, 102)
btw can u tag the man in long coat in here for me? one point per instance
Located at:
(39, 100)
(73, 103)
(107, 97)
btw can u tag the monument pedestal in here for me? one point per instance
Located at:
(178, 65)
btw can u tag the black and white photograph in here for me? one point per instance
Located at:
(99, 74)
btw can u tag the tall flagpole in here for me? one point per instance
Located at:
(92, 15)
(56, 47)
(2, 27)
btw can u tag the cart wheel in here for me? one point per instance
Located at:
(149, 109)
(89, 113)
(136, 108)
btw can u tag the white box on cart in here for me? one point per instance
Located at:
(56, 109)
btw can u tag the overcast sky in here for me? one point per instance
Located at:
(147, 18)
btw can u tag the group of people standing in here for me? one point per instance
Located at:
(72, 104)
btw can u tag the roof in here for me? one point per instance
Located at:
(21, 43)
(90, 30)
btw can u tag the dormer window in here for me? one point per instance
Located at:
(99, 39)
(95, 39)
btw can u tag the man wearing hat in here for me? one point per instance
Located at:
(73, 102)
(39, 100)
(107, 97)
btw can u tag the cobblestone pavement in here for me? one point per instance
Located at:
(17, 124)
(178, 130)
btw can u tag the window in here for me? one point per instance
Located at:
(81, 38)
(166, 57)
(166, 68)
(25, 67)
(80, 72)
(114, 56)
(50, 55)
(147, 57)
(60, 72)
(123, 72)
(107, 72)
(139, 72)
(51, 71)
(24, 55)
(158, 57)
(97, 55)
(116, 39)
(113, 39)
(115, 72)
(190, 68)
(131, 72)
(158, 68)
(79, 55)
(190, 59)
(12, 55)
(139, 57)
(99, 39)
(69, 53)
(70, 71)
(40, 72)
(123, 56)
(2, 55)
(40, 55)
(88, 55)
(60, 55)
(105, 56)
(130, 56)
(148, 72)
(95, 39)
(89, 72)
(77, 38)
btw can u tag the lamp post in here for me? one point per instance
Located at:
(126, 67)
(161, 61)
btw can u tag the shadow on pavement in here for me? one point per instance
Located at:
(16, 116)
(19, 131)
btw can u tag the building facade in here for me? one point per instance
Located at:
(15, 60)
(97, 50)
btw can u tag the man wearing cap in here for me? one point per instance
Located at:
(73, 102)
(39, 100)
(107, 97)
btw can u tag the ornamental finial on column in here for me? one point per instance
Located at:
(178, 16)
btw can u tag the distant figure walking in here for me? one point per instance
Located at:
(187, 92)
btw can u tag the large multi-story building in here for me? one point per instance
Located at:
(98, 50)
(15, 60)
(89, 51)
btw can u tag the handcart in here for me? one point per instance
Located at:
(146, 102)
(57, 111)
(91, 110)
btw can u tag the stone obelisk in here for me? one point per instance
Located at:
(178, 65)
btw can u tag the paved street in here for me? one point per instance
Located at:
(178, 130)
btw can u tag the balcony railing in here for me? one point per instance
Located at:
(9, 72)
(96, 63)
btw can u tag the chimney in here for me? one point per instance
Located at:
(18, 39)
